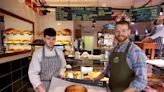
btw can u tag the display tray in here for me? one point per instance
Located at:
(59, 85)
(90, 82)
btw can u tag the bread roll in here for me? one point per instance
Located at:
(75, 88)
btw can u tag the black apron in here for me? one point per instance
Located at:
(120, 73)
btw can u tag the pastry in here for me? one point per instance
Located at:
(76, 88)
(66, 32)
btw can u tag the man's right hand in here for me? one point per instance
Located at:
(98, 78)
(40, 88)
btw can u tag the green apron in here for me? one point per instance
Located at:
(120, 73)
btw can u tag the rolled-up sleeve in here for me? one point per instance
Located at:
(158, 34)
(63, 62)
(139, 67)
(34, 70)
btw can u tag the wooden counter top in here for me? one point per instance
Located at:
(14, 56)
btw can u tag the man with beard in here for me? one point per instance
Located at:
(127, 68)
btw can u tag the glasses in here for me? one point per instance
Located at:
(121, 31)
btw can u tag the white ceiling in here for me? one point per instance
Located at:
(102, 3)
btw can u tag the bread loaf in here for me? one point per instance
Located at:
(75, 88)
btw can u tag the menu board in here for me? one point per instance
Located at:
(83, 13)
(144, 14)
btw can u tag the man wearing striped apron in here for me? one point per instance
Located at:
(47, 62)
(127, 68)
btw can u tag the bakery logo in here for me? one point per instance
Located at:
(116, 60)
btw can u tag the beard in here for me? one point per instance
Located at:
(121, 38)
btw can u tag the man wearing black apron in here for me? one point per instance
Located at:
(47, 62)
(127, 68)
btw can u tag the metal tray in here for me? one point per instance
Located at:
(90, 82)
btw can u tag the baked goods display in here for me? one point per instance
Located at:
(66, 31)
(75, 88)
(62, 41)
(15, 31)
(62, 36)
(59, 33)
(17, 40)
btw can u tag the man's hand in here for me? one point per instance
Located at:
(98, 78)
(40, 88)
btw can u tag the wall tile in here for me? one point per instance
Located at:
(5, 81)
(25, 80)
(16, 75)
(8, 89)
(17, 85)
(25, 62)
(5, 68)
(25, 71)
(15, 65)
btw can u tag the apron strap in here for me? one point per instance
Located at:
(43, 53)
(56, 53)
(127, 48)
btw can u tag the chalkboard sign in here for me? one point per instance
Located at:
(83, 13)
(144, 14)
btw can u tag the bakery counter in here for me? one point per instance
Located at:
(59, 85)
(76, 64)
(14, 71)
(84, 75)
(7, 57)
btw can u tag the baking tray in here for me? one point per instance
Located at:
(90, 82)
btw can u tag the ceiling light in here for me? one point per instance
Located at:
(161, 12)
(132, 23)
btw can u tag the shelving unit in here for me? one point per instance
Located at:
(17, 40)
(63, 39)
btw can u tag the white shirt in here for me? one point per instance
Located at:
(35, 68)
(159, 33)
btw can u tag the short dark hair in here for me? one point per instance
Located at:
(123, 22)
(49, 32)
